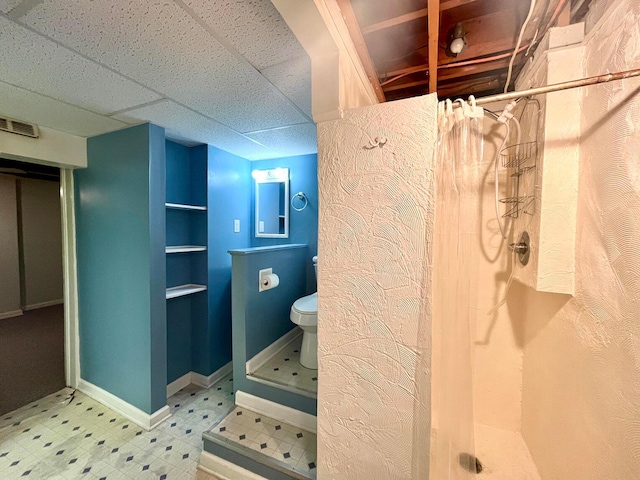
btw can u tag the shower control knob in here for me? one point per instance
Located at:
(519, 247)
(522, 248)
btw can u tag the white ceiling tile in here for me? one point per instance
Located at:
(31, 107)
(293, 79)
(183, 124)
(253, 27)
(290, 141)
(35, 63)
(161, 46)
(7, 5)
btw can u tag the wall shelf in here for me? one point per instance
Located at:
(181, 206)
(182, 290)
(185, 248)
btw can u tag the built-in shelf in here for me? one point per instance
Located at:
(182, 290)
(180, 206)
(185, 248)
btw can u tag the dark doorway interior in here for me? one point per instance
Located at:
(31, 293)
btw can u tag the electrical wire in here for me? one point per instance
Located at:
(515, 50)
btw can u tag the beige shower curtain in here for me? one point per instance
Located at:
(455, 285)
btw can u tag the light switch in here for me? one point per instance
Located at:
(236, 226)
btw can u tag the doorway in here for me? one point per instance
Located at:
(32, 317)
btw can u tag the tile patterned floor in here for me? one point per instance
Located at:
(284, 368)
(65, 436)
(288, 444)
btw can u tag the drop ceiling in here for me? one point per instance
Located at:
(227, 73)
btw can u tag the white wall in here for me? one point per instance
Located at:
(374, 291)
(9, 266)
(581, 376)
(52, 148)
(41, 229)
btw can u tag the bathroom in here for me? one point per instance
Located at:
(548, 385)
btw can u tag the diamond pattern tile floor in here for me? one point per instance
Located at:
(283, 442)
(68, 435)
(284, 368)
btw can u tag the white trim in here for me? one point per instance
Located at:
(178, 384)
(13, 313)
(70, 277)
(206, 382)
(276, 411)
(137, 416)
(50, 303)
(265, 355)
(221, 469)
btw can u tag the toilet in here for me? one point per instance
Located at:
(304, 313)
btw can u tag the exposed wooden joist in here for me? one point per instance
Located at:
(408, 17)
(453, 73)
(358, 40)
(433, 27)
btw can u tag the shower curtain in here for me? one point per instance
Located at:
(455, 284)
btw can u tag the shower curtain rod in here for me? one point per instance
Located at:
(609, 77)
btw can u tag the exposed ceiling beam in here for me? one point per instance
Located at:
(358, 40)
(434, 30)
(453, 73)
(408, 17)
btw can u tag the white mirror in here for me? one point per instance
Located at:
(272, 205)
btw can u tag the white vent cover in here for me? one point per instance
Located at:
(18, 127)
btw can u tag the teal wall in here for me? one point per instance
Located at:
(303, 226)
(229, 187)
(260, 318)
(120, 237)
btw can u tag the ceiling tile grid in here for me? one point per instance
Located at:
(158, 44)
(31, 107)
(37, 64)
(289, 141)
(183, 124)
(293, 78)
(254, 28)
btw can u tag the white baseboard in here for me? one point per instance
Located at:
(11, 314)
(197, 379)
(178, 384)
(137, 416)
(274, 410)
(265, 355)
(50, 303)
(221, 469)
(206, 382)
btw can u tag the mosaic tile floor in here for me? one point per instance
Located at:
(65, 436)
(285, 443)
(284, 368)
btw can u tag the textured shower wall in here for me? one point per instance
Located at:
(581, 379)
(374, 285)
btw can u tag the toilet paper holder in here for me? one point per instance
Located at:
(267, 279)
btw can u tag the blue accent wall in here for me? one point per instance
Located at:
(260, 318)
(229, 187)
(120, 237)
(303, 226)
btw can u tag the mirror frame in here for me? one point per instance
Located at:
(274, 175)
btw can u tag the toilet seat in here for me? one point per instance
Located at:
(304, 311)
(307, 305)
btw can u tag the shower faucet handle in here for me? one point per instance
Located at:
(522, 248)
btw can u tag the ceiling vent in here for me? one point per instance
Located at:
(20, 128)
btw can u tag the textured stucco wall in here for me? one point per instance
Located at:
(581, 377)
(374, 284)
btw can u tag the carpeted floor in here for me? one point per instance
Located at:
(31, 356)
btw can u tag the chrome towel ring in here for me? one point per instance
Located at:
(303, 198)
